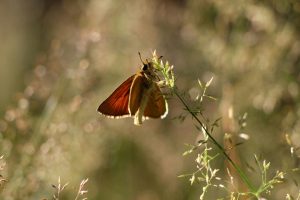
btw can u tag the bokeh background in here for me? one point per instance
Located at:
(60, 58)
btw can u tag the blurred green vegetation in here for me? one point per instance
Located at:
(60, 59)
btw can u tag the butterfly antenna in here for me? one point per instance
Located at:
(141, 58)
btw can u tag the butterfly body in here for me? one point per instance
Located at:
(139, 97)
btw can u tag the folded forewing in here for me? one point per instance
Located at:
(136, 93)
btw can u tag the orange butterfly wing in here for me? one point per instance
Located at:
(136, 93)
(116, 105)
(157, 106)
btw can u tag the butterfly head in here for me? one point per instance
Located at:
(148, 70)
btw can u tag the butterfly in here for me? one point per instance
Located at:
(139, 97)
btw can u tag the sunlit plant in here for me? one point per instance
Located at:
(59, 188)
(204, 172)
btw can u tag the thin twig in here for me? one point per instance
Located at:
(237, 168)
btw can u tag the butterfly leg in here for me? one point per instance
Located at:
(139, 115)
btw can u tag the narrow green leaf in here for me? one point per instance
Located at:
(209, 82)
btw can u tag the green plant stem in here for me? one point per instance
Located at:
(236, 167)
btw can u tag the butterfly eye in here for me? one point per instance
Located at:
(145, 67)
